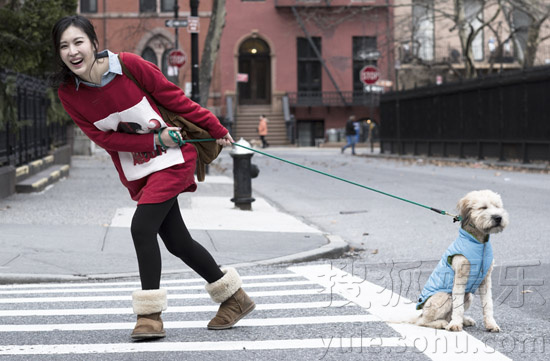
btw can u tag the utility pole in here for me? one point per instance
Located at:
(176, 15)
(195, 95)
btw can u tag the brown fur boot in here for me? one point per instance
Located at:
(148, 305)
(235, 303)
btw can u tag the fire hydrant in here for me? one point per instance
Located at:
(243, 172)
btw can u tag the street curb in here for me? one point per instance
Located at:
(543, 167)
(335, 247)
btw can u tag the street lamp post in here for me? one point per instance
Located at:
(176, 15)
(195, 96)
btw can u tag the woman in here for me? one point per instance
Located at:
(120, 117)
(262, 130)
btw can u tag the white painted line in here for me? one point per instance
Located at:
(219, 213)
(137, 283)
(171, 309)
(252, 322)
(438, 345)
(128, 297)
(169, 288)
(319, 343)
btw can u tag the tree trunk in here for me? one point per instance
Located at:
(211, 48)
(464, 34)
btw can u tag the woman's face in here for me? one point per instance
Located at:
(77, 52)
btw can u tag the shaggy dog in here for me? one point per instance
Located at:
(466, 266)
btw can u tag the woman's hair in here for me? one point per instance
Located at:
(62, 73)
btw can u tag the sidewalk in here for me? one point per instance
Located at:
(79, 229)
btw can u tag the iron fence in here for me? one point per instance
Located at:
(333, 98)
(30, 137)
(502, 116)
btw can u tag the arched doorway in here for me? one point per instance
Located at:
(156, 51)
(254, 60)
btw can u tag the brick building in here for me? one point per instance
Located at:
(302, 58)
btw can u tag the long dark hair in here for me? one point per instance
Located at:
(62, 73)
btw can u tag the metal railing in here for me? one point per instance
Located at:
(29, 137)
(328, 3)
(333, 99)
(503, 116)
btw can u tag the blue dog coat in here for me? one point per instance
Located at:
(480, 256)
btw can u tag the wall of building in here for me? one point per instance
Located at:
(121, 27)
(280, 29)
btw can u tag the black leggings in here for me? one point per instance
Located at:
(165, 219)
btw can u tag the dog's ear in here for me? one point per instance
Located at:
(464, 207)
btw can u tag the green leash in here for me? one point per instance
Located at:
(456, 218)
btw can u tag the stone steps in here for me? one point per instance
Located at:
(37, 175)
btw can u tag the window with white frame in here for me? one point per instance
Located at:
(423, 29)
(473, 10)
(521, 22)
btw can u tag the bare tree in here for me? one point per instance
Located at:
(211, 48)
(526, 18)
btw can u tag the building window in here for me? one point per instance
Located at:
(147, 6)
(521, 23)
(149, 55)
(423, 29)
(473, 10)
(167, 5)
(364, 53)
(309, 66)
(88, 6)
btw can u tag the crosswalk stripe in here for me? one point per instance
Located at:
(314, 343)
(171, 309)
(383, 303)
(137, 283)
(168, 288)
(251, 322)
(276, 293)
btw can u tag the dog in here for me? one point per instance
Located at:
(465, 267)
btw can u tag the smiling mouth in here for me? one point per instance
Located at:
(77, 62)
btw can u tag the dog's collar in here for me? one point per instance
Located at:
(485, 239)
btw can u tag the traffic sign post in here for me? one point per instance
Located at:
(369, 75)
(194, 24)
(177, 58)
(176, 23)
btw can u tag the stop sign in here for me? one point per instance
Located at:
(177, 58)
(369, 75)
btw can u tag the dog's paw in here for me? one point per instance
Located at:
(492, 326)
(454, 326)
(468, 321)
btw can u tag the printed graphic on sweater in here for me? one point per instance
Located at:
(140, 119)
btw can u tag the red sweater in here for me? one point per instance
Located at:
(121, 118)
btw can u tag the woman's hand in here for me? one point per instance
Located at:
(166, 140)
(226, 140)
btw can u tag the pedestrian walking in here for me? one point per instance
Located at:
(151, 159)
(262, 130)
(351, 135)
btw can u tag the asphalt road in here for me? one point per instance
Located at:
(397, 243)
(328, 309)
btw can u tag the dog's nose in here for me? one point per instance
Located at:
(497, 219)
